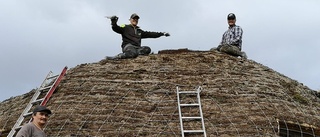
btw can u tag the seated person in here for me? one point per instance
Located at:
(131, 38)
(232, 39)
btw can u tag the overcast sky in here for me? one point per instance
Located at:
(38, 36)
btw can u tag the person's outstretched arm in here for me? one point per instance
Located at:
(149, 34)
(115, 27)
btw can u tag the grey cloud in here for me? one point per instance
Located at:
(39, 36)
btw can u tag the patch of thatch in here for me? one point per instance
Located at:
(137, 97)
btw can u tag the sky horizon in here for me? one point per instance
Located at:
(41, 36)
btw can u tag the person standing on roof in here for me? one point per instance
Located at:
(131, 38)
(40, 117)
(231, 42)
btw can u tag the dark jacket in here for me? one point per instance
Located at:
(133, 35)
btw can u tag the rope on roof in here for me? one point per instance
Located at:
(87, 117)
(174, 112)
(73, 109)
(247, 116)
(152, 114)
(279, 111)
(137, 104)
(226, 116)
(113, 109)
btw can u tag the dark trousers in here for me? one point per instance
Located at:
(230, 49)
(132, 51)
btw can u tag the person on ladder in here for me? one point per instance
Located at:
(131, 38)
(35, 128)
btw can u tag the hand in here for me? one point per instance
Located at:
(114, 20)
(166, 34)
(112, 17)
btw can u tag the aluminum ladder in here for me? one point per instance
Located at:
(40, 97)
(194, 104)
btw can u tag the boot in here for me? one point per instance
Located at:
(119, 56)
(244, 55)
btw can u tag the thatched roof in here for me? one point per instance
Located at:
(137, 97)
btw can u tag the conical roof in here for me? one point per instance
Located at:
(137, 97)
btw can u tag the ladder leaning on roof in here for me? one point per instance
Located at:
(195, 104)
(48, 86)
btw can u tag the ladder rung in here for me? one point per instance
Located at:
(189, 105)
(188, 92)
(36, 101)
(193, 131)
(48, 87)
(27, 114)
(191, 117)
(53, 77)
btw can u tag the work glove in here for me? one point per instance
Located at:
(166, 34)
(114, 20)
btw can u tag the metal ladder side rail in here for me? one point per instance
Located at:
(191, 105)
(29, 106)
(53, 87)
(180, 115)
(34, 99)
(200, 109)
